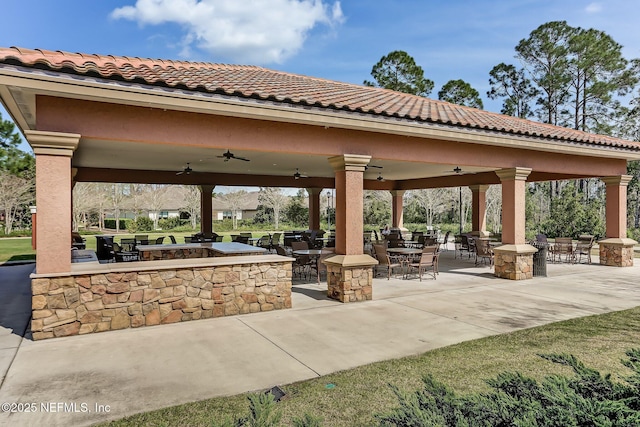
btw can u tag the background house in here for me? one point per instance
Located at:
(246, 206)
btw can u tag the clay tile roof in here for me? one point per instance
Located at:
(261, 83)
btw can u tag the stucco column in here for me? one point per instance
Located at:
(53, 152)
(206, 208)
(397, 208)
(616, 210)
(314, 208)
(616, 249)
(349, 169)
(350, 272)
(513, 204)
(514, 259)
(479, 209)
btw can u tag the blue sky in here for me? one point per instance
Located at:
(455, 39)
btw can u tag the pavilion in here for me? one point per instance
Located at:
(104, 118)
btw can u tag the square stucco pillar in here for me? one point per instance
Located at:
(206, 208)
(350, 272)
(314, 208)
(53, 152)
(479, 209)
(514, 259)
(616, 250)
(397, 208)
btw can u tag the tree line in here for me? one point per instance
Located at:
(565, 76)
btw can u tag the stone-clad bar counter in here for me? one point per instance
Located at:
(98, 297)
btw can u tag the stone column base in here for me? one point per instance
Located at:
(514, 262)
(350, 277)
(617, 252)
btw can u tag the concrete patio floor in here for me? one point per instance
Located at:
(137, 370)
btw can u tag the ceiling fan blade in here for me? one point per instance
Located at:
(373, 166)
(179, 173)
(241, 158)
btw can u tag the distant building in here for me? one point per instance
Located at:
(248, 207)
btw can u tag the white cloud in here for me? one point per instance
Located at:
(250, 31)
(593, 7)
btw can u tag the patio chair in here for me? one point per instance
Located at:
(386, 261)
(128, 245)
(445, 240)
(77, 241)
(123, 255)
(159, 240)
(563, 246)
(472, 245)
(395, 240)
(366, 238)
(265, 242)
(428, 262)
(173, 239)
(321, 267)
(462, 245)
(484, 251)
(583, 248)
(241, 239)
(281, 250)
(288, 239)
(142, 239)
(209, 237)
(303, 263)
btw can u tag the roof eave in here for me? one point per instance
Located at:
(94, 89)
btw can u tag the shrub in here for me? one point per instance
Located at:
(170, 223)
(110, 223)
(587, 399)
(634, 233)
(142, 223)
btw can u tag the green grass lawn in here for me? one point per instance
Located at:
(599, 341)
(16, 249)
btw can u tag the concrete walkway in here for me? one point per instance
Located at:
(137, 370)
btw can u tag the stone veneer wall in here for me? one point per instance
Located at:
(89, 303)
(616, 255)
(513, 266)
(349, 284)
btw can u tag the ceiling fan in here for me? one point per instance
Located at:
(380, 177)
(229, 155)
(297, 175)
(372, 166)
(187, 170)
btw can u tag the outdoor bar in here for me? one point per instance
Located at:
(97, 297)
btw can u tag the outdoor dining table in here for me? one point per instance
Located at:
(313, 254)
(406, 255)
